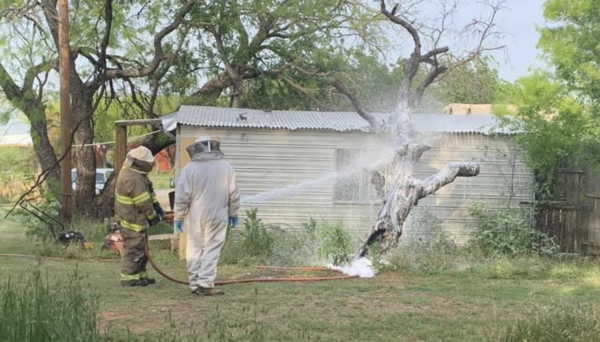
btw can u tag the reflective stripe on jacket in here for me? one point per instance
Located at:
(133, 200)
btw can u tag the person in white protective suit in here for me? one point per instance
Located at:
(207, 197)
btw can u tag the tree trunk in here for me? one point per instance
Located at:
(236, 94)
(212, 89)
(82, 112)
(45, 153)
(404, 194)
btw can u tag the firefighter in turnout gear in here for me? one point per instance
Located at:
(136, 208)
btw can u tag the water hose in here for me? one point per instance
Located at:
(260, 280)
(223, 282)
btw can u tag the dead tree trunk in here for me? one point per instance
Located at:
(405, 193)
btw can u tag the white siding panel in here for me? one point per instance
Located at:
(273, 159)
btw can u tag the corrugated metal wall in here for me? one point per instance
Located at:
(272, 159)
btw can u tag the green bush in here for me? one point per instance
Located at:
(334, 242)
(562, 324)
(315, 243)
(254, 243)
(374, 253)
(256, 240)
(32, 309)
(508, 232)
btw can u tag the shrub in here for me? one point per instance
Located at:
(563, 324)
(315, 242)
(508, 232)
(254, 244)
(374, 253)
(256, 240)
(296, 248)
(33, 310)
(334, 242)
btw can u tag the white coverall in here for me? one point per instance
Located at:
(206, 195)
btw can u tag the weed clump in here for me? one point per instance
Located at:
(562, 324)
(32, 309)
(317, 242)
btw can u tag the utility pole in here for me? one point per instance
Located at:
(65, 112)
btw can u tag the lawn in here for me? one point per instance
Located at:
(161, 180)
(452, 305)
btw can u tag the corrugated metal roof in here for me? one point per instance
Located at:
(336, 121)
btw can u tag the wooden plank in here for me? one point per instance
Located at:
(585, 226)
(595, 225)
(570, 223)
(577, 231)
(561, 231)
(124, 123)
(120, 147)
(568, 171)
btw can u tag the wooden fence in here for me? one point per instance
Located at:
(573, 217)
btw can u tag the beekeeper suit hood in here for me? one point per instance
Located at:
(140, 159)
(205, 146)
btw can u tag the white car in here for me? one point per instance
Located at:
(101, 178)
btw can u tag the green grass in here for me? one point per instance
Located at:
(34, 310)
(160, 180)
(467, 298)
(414, 307)
(570, 323)
(12, 233)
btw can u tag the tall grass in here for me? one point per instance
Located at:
(562, 324)
(33, 309)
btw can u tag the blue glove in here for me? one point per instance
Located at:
(233, 221)
(179, 227)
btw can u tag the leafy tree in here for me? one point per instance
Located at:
(242, 42)
(570, 43)
(476, 82)
(114, 43)
(558, 111)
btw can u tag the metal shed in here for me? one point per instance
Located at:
(294, 165)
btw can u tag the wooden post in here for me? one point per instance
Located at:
(120, 147)
(65, 113)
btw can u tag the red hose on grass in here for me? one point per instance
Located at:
(227, 282)
(260, 280)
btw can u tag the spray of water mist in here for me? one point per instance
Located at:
(367, 162)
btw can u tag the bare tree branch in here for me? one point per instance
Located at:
(108, 19)
(159, 55)
(446, 176)
(341, 87)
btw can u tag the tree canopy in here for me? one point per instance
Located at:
(558, 110)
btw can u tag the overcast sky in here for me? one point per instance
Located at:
(520, 21)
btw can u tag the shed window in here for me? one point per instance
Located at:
(356, 187)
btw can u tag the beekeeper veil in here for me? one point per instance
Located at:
(204, 145)
(140, 159)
